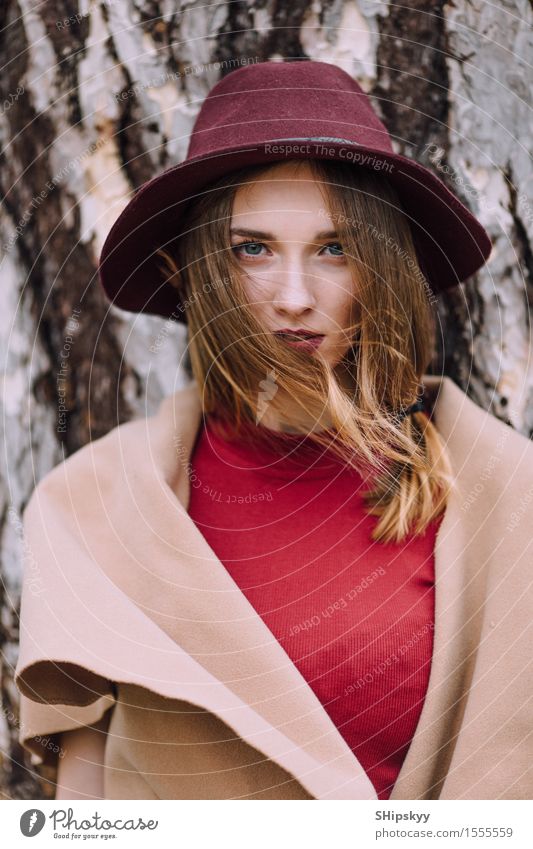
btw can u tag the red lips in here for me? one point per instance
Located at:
(301, 339)
(302, 334)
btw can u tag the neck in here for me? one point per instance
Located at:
(293, 420)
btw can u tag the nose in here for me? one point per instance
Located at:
(293, 294)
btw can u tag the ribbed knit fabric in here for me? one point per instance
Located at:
(355, 616)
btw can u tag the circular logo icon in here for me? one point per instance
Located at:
(32, 822)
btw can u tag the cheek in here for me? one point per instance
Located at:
(340, 305)
(256, 291)
(251, 283)
(348, 300)
(256, 295)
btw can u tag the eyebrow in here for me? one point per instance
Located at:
(269, 237)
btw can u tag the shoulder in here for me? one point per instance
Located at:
(492, 463)
(469, 430)
(94, 464)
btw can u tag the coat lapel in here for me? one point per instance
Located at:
(471, 545)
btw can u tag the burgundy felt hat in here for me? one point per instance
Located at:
(271, 112)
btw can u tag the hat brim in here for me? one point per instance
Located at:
(451, 243)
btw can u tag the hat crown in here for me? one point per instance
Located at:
(275, 101)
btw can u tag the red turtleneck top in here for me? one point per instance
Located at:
(355, 616)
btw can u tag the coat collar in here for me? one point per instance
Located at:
(163, 612)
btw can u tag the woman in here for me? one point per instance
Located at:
(289, 582)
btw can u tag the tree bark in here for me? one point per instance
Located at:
(98, 97)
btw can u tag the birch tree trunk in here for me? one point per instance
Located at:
(98, 97)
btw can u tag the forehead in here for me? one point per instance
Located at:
(285, 188)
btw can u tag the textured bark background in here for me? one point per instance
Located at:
(453, 82)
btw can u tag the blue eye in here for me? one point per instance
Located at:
(242, 245)
(337, 251)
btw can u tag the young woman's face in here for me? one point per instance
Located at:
(298, 278)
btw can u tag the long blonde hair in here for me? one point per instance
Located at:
(236, 361)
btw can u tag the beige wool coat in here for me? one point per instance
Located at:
(128, 615)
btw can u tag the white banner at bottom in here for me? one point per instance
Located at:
(262, 824)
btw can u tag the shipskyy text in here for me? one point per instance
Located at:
(411, 816)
